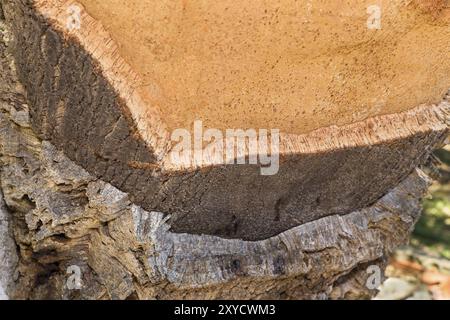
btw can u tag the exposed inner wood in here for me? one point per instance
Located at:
(291, 65)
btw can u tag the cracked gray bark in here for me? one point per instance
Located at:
(125, 251)
(62, 213)
(8, 254)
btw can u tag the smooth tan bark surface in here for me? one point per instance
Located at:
(292, 65)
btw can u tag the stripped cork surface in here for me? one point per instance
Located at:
(257, 64)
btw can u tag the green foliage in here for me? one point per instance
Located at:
(432, 232)
(433, 229)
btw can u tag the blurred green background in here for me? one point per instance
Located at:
(421, 271)
(432, 233)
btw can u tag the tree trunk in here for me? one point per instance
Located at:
(89, 104)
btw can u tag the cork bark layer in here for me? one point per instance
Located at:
(83, 190)
(95, 119)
